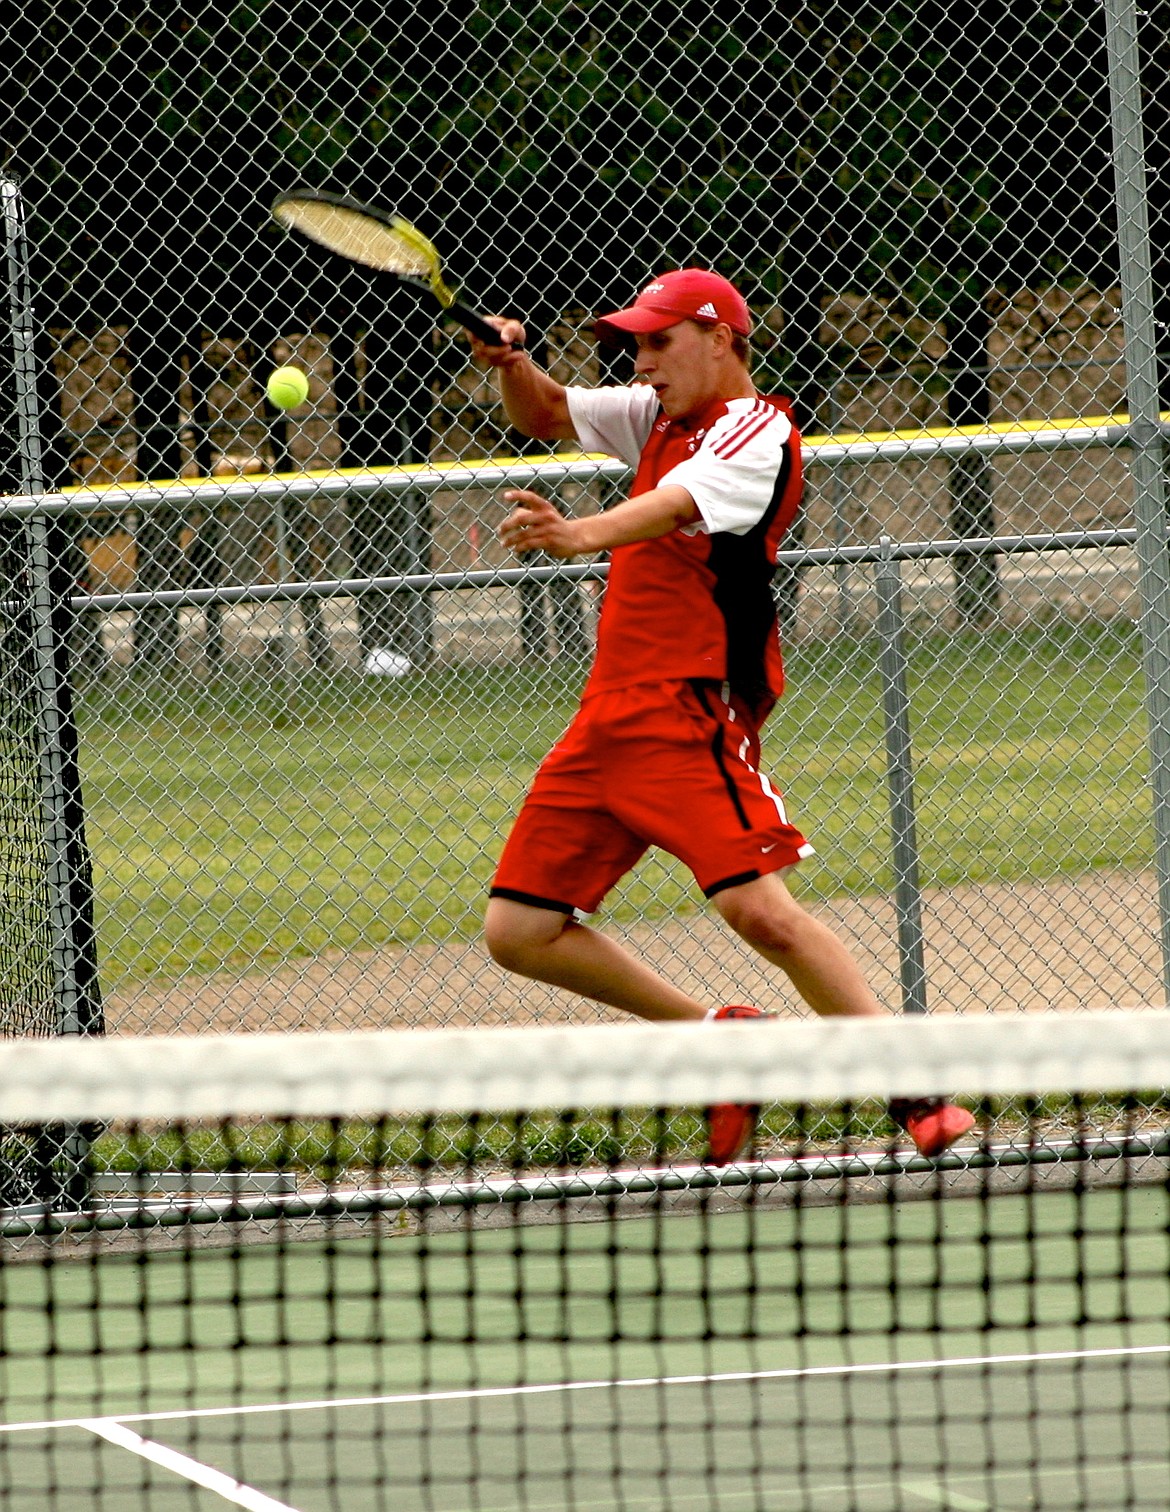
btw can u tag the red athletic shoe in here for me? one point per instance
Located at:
(931, 1122)
(730, 1126)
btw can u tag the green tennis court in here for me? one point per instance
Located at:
(970, 1353)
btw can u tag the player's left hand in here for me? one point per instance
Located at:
(536, 524)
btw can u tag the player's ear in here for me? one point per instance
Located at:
(721, 338)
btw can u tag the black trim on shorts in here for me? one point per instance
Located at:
(553, 904)
(737, 881)
(717, 752)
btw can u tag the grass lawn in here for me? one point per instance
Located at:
(247, 822)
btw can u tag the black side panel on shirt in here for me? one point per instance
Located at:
(743, 595)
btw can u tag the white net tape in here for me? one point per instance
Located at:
(588, 1066)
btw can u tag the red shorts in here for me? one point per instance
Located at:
(671, 764)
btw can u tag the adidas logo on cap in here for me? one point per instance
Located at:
(708, 311)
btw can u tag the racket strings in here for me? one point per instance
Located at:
(389, 247)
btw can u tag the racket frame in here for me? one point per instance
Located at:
(433, 284)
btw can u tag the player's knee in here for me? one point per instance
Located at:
(504, 945)
(515, 934)
(760, 922)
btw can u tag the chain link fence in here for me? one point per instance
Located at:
(308, 686)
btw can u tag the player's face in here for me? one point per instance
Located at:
(681, 365)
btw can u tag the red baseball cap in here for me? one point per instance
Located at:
(689, 294)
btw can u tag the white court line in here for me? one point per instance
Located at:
(934, 1492)
(483, 1393)
(939, 1496)
(192, 1470)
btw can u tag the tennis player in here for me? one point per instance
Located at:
(665, 748)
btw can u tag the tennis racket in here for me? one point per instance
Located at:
(377, 239)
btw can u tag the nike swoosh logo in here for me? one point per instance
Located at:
(764, 849)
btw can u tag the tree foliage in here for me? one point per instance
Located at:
(563, 149)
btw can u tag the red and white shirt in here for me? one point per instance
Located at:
(696, 603)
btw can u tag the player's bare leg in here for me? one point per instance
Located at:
(769, 918)
(551, 947)
(765, 914)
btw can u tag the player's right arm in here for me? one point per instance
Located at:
(533, 401)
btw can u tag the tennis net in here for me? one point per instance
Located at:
(489, 1269)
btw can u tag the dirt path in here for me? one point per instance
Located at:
(1089, 943)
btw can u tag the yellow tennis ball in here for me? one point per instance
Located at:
(288, 387)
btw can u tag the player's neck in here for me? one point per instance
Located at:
(723, 394)
(735, 382)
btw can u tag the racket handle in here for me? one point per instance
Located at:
(477, 325)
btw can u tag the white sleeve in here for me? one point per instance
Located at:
(732, 475)
(617, 421)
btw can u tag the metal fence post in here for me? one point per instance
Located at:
(1145, 438)
(33, 481)
(900, 778)
(68, 886)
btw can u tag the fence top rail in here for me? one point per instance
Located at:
(841, 449)
(290, 591)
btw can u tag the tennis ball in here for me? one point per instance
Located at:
(288, 387)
